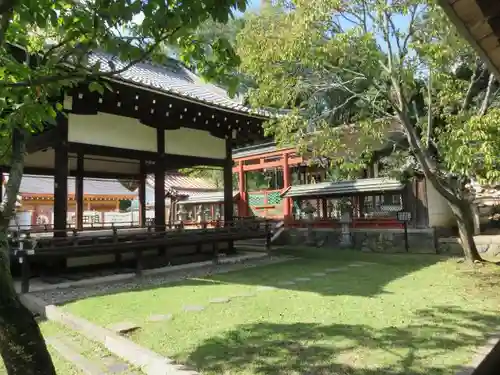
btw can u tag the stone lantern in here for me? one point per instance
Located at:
(309, 211)
(182, 213)
(199, 214)
(345, 225)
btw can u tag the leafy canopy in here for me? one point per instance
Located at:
(59, 34)
(356, 74)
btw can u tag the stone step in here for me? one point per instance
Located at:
(104, 364)
(85, 365)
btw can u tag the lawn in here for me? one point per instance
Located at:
(401, 314)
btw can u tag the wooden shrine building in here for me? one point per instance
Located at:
(277, 183)
(155, 119)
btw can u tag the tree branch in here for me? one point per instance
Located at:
(476, 76)
(487, 97)
(429, 109)
(428, 167)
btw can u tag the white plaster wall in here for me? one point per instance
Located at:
(109, 130)
(440, 214)
(194, 142)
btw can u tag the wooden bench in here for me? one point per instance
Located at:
(47, 249)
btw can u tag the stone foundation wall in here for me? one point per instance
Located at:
(487, 245)
(368, 240)
(390, 241)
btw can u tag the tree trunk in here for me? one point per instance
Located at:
(463, 214)
(22, 346)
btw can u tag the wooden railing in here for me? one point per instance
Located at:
(27, 249)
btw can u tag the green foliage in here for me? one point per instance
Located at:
(62, 32)
(210, 174)
(354, 74)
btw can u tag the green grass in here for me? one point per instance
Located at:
(405, 315)
(88, 349)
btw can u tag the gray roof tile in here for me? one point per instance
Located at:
(365, 185)
(45, 185)
(173, 79)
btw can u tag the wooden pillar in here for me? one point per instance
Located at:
(61, 177)
(142, 194)
(228, 184)
(286, 185)
(79, 191)
(160, 208)
(242, 204)
(228, 191)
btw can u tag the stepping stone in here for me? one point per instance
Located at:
(334, 269)
(194, 308)
(287, 283)
(264, 288)
(302, 279)
(159, 317)
(220, 300)
(123, 327)
(117, 368)
(319, 274)
(245, 294)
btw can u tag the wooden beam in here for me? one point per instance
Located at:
(266, 154)
(174, 161)
(114, 152)
(273, 164)
(42, 141)
(489, 8)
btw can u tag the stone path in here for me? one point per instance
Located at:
(99, 362)
(252, 293)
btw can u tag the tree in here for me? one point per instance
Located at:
(44, 47)
(349, 71)
(211, 174)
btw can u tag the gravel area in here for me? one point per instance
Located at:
(61, 296)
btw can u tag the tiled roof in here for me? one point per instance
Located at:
(179, 184)
(33, 185)
(366, 185)
(206, 197)
(173, 79)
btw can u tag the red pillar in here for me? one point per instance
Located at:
(286, 185)
(242, 204)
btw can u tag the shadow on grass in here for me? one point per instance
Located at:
(424, 347)
(368, 280)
